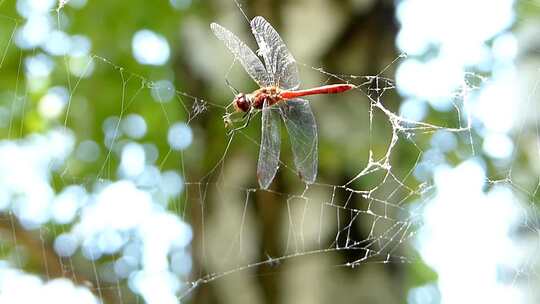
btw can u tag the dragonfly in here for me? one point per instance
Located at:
(278, 96)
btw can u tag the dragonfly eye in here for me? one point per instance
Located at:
(242, 103)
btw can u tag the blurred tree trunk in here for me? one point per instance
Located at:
(376, 28)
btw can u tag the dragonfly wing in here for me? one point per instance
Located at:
(270, 145)
(251, 63)
(280, 63)
(302, 129)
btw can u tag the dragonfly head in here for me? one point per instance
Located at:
(242, 106)
(242, 102)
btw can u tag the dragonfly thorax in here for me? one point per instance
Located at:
(269, 96)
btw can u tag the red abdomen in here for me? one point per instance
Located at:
(327, 89)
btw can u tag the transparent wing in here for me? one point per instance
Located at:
(251, 63)
(280, 63)
(302, 129)
(270, 144)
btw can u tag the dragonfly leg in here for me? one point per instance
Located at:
(248, 119)
(227, 117)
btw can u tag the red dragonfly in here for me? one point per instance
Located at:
(278, 96)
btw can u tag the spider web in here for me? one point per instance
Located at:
(55, 202)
